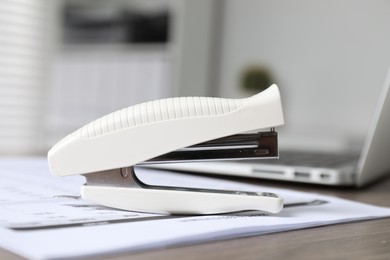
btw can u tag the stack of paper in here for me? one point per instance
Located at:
(43, 217)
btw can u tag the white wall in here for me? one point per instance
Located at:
(193, 51)
(329, 58)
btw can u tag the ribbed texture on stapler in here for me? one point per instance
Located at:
(157, 111)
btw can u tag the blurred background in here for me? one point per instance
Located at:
(65, 63)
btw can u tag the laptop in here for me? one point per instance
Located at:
(338, 169)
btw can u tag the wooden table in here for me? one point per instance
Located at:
(359, 240)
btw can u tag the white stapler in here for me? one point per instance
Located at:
(172, 130)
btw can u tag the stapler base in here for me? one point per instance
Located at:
(121, 188)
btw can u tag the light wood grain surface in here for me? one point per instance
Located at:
(358, 240)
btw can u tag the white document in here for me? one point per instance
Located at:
(43, 217)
